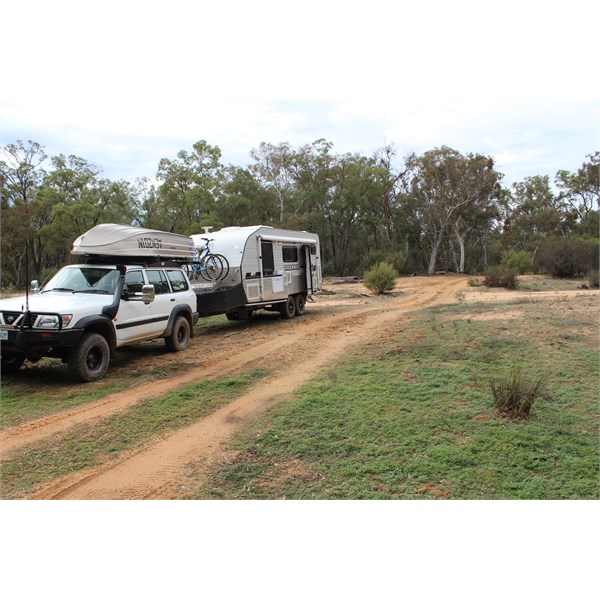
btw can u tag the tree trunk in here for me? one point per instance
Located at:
(434, 254)
(461, 244)
(484, 248)
(281, 207)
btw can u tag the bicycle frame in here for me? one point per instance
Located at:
(203, 266)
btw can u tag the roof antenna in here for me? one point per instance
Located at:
(26, 277)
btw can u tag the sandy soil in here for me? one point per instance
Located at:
(294, 351)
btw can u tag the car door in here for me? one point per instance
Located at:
(164, 301)
(137, 321)
(134, 319)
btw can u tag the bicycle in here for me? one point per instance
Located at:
(209, 266)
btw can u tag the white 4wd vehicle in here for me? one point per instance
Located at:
(87, 311)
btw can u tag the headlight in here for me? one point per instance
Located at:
(51, 321)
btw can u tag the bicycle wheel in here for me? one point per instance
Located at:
(225, 264)
(192, 270)
(212, 268)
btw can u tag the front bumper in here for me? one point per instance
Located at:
(38, 342)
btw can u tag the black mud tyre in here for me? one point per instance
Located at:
(89, 358)
(179, 339)
(233, 316)
(300, 304)
(11, 363)
(288, 308)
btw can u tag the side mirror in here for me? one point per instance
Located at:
(148, 294)
(35, 286)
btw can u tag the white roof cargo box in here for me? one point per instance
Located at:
(110, 239)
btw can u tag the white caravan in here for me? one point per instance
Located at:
(270, 268)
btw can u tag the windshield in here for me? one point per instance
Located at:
(90, 280)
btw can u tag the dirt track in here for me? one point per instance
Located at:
(299, 348)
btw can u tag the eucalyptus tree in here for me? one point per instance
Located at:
(450, 190)
(312, 175)
(534, 214)
(191, 186)
(273, 167)
(245, 201)
(581, 192)
(345, 210)
(386, 210)
(78, 199)
(62, 188)
(480, 183)
(146, 204)
(21, 172)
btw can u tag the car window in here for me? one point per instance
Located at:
(178, 281)
(159, 281)
(134, 281)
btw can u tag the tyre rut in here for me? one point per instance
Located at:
(156, 471)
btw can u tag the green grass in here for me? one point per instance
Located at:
(91, 444)
(413, 417)
(20, 401)
(45, 388)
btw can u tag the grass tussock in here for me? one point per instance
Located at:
(515, 395)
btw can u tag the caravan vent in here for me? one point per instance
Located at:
(253, 292)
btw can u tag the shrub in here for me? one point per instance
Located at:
(474, 282)
(515, 395)
(381, 278)
(593, 278)
(395, 259)
(568, 257)
(501, 276)
(520, 261)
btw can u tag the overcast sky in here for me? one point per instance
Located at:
(127, 139)
(131, 83)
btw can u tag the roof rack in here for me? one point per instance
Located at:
(143, 261)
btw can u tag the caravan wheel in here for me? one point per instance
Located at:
(288, 308)
(300, 303)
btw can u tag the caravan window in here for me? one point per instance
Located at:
(290, 254)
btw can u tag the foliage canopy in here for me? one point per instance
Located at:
(438, 210)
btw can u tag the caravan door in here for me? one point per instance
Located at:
(312, 271)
